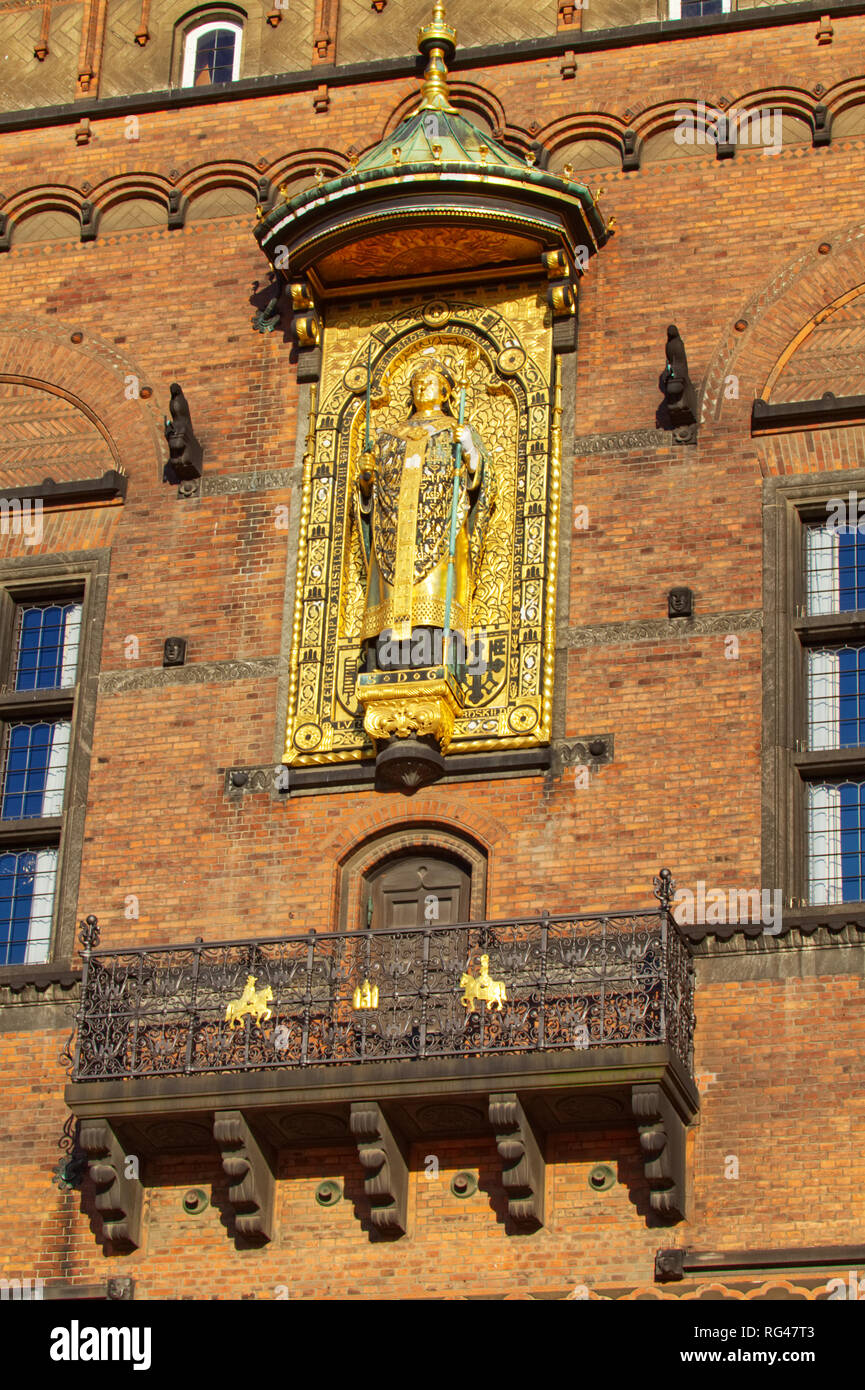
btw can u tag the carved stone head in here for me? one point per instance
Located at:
(174, 651)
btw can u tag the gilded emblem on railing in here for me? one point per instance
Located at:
(251, 1001)
(365, 996)
(483, 986)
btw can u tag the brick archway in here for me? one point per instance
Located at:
(92, 377)
(407, 838)
(774, 316)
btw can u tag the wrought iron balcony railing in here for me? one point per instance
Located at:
(552, 983)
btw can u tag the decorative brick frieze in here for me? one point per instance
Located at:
(234, 484)
(660, 629)
(204, 673)
(625, 441)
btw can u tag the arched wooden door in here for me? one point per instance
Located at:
(417, 888)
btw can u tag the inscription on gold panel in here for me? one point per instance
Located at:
(501, 342)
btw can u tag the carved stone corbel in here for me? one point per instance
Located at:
(523, 1165)
(119, 1197)
(248, 1164)
(177, 206)
(630, 150)
(821, 125)
(306, 328)
(662, 1139)
(562, 299)
(385, 1168)
(89, 221)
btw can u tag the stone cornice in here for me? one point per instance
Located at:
(759, 17)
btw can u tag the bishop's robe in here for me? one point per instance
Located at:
(405, 527)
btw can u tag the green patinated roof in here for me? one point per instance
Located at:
(457, 140)
(435, 138)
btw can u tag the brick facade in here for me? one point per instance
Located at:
(707, 243)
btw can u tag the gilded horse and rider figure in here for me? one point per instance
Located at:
(253, 1002)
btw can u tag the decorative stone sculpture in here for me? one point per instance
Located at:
(184, 450)
(679, 409)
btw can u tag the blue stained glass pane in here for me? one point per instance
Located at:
(214, 53)
(852, 860)
(17, 872)
(27, 883)
(43, 639)
(26, 772)
(851, 571)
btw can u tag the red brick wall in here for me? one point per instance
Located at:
(699, 242)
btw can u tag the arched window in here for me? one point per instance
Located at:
(211, 53)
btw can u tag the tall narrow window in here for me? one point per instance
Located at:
(834, 686)
(211, 53)
(37, 713)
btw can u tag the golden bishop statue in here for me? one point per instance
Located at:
(415, 481)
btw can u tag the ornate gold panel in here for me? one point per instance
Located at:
(448, 248)
(502, 340)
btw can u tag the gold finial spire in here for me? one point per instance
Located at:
(437, 41)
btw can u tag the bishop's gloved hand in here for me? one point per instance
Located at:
(366, 473)
(470, 453)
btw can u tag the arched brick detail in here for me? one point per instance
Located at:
(228, 173)
(582, 125)
(423, 817)
(776, 315)
(414, 838)
(91, 375)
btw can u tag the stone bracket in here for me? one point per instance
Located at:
(248, 1164)
(662, 1140)
(307, 329)
(385, 1167)
(119, 1198)
(523, 1165)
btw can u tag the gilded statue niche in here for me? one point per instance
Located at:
(498, 348)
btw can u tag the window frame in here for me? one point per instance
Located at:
(190, 45)
(84, 579)
(790, 506)
(674, 10)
